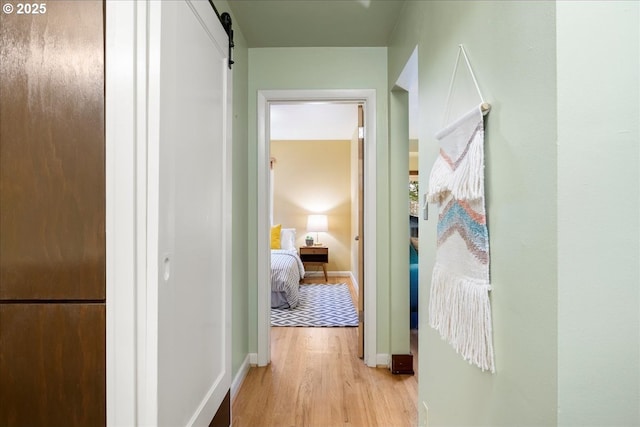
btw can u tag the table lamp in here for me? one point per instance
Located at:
(317, 223)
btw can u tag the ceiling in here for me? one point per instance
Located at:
(316, 23)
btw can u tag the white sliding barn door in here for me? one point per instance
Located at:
(189, 192)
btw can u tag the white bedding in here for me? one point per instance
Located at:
(286, 272)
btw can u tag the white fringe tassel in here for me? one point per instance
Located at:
(466, 182)
(459, 308)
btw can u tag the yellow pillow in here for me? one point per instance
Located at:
(275, 236)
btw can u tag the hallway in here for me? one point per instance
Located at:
(316, 379)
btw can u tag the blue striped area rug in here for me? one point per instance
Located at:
(319, 306)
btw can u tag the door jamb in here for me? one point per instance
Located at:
(368, 98)
(125, 151)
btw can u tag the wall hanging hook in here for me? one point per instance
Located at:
(485, 107)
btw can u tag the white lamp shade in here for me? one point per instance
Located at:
(317, 223)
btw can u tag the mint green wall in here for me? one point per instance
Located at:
(240, 298)
(240, 310)
(512, 48)
(399, 222)
(598, 213)
(566, 322)
(322, 68)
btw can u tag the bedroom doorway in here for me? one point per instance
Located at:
(314, 171)
(354, 97)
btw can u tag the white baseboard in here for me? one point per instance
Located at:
(383, 360)
(253, 359)
(320, 273)
(354, 281)
(339, 273)
(240, 376)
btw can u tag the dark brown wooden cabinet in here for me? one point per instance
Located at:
(52, 215)
(52, 365)
(52, 197)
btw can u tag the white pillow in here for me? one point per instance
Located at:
(288, 239)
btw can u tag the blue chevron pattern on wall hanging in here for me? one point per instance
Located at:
(459, 304)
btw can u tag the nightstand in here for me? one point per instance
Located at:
(315, 255)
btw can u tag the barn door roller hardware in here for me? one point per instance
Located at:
(225, 20)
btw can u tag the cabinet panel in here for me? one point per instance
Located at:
(311, 254)
(52, 365)
(52, 221)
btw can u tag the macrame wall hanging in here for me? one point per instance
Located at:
(459, 304)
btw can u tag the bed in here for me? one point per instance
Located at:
(286, 271)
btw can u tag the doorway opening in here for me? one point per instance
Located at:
(316, 189)
(406, 112)
(266, 99)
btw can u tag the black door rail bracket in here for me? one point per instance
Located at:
(225, 20)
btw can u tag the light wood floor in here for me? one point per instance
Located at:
(316, 379)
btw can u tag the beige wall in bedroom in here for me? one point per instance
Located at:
(315, 177)
(413, 155)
